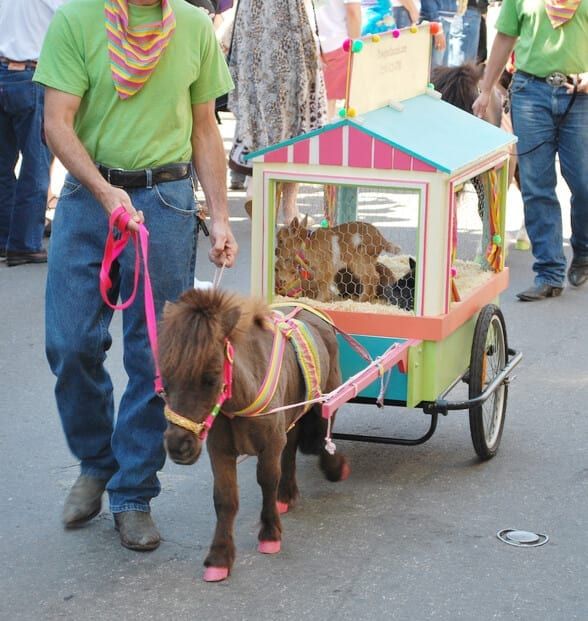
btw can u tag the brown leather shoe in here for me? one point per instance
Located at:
(83, 502)
(14, 257)
(539, 292)
(137, 530)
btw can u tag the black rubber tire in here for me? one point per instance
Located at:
(489, 356)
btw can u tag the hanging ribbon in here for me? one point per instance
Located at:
(494, 248)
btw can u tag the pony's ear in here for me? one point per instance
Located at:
(304, 224)
(294, 224)
(230, 318)
(412, 264)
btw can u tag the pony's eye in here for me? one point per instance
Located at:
(209, 380)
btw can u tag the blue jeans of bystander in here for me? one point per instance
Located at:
(537, 111)
(128, 452)
(23, 199)
(462, 35)
(401, 17)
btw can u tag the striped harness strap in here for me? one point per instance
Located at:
(287, 329)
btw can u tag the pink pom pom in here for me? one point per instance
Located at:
(453, 272)
(396, 33)
(347, 45)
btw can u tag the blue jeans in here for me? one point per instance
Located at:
(462, 35)
(401, 17)
(22, 200)
(536, 110)
(129, 451)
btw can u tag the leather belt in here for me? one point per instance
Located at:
(553, 79)
(145, 178)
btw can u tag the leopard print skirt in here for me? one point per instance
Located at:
(279, 88)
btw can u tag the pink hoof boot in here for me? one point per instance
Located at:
(345, 471)
(269, 547)
(282, 507)
(215, 574)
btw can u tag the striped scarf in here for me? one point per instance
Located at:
(135, 51)
(561, 11)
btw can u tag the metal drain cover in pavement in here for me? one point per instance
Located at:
(521, 538)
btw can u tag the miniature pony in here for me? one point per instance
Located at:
(206, 337)
(310, 262)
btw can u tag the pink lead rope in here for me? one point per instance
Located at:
(119, 219)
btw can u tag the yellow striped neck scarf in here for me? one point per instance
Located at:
(135, 51)
(561, 11)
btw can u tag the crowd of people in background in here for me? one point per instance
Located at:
(124, 93)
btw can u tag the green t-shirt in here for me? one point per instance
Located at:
(542, 49)
(154, 126)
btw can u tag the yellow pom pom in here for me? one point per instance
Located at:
(414, 28)
(351, 112)
(376, 38)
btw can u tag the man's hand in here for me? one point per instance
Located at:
(480, 106)
(581, 80)
(224, 245)
(439, 40)
(116, 197)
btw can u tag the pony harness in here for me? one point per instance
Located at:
(286, 329)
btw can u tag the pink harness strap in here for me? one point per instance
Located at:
(119, 219)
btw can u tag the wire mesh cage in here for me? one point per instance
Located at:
(354, 246)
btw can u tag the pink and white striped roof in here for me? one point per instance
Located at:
(343, 146)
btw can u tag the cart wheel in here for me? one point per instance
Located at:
(489, 357)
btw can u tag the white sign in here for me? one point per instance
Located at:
(390, 70)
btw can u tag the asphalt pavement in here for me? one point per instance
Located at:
(410, 535)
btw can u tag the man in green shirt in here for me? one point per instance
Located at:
(549, 104)
(130, 90)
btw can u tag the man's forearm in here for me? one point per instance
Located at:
(501, 50)
(60, 111)
(410, 6)
(68, 149)
(353, 20)
(211, 168)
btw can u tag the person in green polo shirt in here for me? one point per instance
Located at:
(549, 104)
(129, 90)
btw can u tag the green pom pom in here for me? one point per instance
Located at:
(342, 113)
(324, 223)
(431, 85)
(357, 46)
(497, 239)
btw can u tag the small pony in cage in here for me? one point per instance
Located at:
(318, 264)
(214, 352)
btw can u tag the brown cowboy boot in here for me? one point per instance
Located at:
(83, 502)
(137, 530)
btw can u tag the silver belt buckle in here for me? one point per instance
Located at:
(556, 79)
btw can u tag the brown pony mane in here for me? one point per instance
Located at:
(458, 85)
(200, 320)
